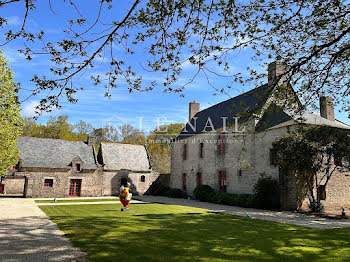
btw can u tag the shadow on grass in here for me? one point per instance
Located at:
(154, 232)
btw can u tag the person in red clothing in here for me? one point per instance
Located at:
(125, 196)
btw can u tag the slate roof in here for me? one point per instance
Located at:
(244, 106)
(117, 156)
(54, 153)
(311, 117)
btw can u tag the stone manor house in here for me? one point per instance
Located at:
(228, 153)
(59, 168)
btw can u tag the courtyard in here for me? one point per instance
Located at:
(165, 232)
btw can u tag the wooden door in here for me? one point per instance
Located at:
(75, 187)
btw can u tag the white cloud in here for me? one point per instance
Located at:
(28, 108)
(13, 20)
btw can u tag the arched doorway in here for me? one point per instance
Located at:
(123, 181)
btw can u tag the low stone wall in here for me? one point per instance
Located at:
(14, 185)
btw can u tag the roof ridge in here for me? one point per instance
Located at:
(119, 143)
(49, 138)
(245, 93)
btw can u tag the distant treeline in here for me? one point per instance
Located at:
(59, 128)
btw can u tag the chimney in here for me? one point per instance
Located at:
(193, 109)
(327, 108)
(275, 69)
(90, 141)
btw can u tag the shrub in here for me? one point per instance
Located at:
(158, 189)
(242, 200)
(175, 193)
(251, 201)
(203, 193)
(267, 193)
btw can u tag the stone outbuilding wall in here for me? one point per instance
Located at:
(140, 181)
(91, 183)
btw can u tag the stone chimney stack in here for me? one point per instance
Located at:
(193, 109)
(327, 108)
(90, 140)
(275, 69)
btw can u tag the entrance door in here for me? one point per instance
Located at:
(75, 187)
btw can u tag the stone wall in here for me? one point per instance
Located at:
(112, 181)
(91, 184)
(14, 185)
(249, 152)
(337, 193)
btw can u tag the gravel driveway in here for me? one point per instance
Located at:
(292, 218)
(27, 234)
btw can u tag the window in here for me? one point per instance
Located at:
(199, 178)
(201, 149)
(77, 167)
(143, 178)
(48, 183)
(239, 172)
(222, 181)
(272, 158)
(322, 192)
(185, 152)
(184, 182)
(221, 150)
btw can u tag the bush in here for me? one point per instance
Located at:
(158, 189)
(175, 193)
(242, 200)
(267, 193)
(203, 193)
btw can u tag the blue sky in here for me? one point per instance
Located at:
(123, 106)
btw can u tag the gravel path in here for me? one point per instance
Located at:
(27, 234)
(293, 218)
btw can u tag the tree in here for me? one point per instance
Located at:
(158, 146)
(314, 154)
(130, 135)
(311, 38)
(83, 127)
(10, 118)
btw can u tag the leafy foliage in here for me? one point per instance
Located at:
(157, 189)
(267, 192)
(203, 193)
(158, 146)
(311, 38)
(311, 153)
(175, 193)
(10, 118)
(207, 194)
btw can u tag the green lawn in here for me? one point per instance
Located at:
(159, 232)
(77, 200)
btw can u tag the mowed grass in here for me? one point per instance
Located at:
(77, 200)
(159, 232)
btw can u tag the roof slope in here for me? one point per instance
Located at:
(311, 117)
(243, 106)
(54, 153)
(116, 156)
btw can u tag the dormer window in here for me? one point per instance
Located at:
(77, 167)
(77, 164)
